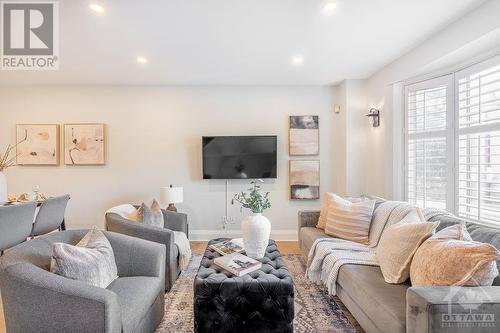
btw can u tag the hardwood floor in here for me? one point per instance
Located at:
(285, 247)
(2, 320)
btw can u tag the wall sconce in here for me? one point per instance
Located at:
(374, 117)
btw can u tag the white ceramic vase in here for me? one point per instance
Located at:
(256, 230)
(3, 188)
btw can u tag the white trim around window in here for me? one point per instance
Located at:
(452, 142)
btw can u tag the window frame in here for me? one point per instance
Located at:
(446, 80)
(451, 79)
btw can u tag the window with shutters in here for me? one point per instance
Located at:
(478, 132)
(452, 133)
(427, 105)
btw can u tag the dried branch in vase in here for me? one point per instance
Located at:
(7, 159)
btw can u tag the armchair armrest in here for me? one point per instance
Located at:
(308, 218)
(36, 300)
(457, 309)
(116, 223)
(175, 221)
(137, 257)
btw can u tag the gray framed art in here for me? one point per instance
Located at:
(303, 135)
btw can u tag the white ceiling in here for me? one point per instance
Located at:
(237, 41)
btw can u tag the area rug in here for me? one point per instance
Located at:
(315, 310)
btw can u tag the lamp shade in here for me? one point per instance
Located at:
(169, 195)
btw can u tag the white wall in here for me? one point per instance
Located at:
(154, 139)
(349, 128)
(468, 39)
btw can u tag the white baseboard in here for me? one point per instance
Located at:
(205, 235)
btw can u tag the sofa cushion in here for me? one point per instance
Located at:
(384, 303)
(308, 235)
(136, 295)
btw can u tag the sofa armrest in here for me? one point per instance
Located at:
(136, 256)
(457, 309)
(308, 218)
(36, 300)
(175, 221)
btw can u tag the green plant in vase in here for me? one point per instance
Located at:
(255, 228)
(253, 199)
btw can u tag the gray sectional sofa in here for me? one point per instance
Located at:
(36, 300)
(385, 308)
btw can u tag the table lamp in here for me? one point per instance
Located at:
(171, 195)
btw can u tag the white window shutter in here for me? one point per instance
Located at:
(427, 142)
(478, 174)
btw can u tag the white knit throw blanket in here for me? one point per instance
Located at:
(327, 255)
(182, 243)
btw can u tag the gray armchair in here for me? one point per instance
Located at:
(172, 222)
(36, 300)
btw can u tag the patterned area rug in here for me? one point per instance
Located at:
(315, 310)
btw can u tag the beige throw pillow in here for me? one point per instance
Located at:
(349, 220)
(324, 211)
(323, 214)
(398, 244)
(451, 258)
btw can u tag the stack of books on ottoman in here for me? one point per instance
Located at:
(232, 259)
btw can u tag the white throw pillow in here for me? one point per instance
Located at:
(92, 260)
(398, 244)
(349, 220)
(127, 211)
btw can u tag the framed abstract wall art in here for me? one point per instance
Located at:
(38, 144)
(304, 180)
(84, 144)
(304, 135)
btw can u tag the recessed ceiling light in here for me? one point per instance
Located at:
(329, 8)
(97, 8)
(297, 60)
(142, 60)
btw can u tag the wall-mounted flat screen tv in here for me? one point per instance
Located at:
(239, 157)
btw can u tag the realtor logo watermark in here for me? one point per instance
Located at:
(466, 310)
(30, 35)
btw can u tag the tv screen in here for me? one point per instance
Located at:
(239, 157)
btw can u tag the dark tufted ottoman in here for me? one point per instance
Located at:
(261, 301)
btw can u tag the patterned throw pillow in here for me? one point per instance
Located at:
(91, 260)
(452, 258)
(398, 244)
(151, 215)
(323, 214)
(349, 220)
(324, 211)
